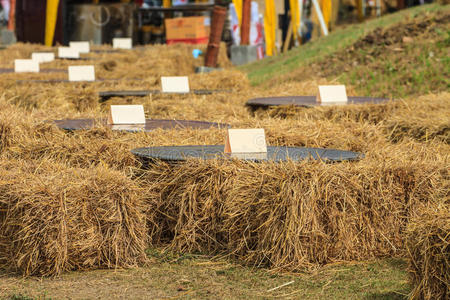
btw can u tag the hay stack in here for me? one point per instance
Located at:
(55, 219)
(286, 216)
(429, 253)
(425, 118)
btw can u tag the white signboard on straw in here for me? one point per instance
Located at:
(42, 57)
(175, 84)
(26, 65)
(126, 114)
(246, 141)
(82, 47)
(122, 43)
(332, 94)
(67, 52)
(81, 73)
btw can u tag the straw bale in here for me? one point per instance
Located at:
(425, 119)
(422, 118)
(428, 243)
(149, 61)
(287, 216)
(56, 219)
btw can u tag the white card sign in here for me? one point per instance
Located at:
(122, 43)
(67, 52)
(332, 94)
(175, 84)
(81, 73)
(26, 65)
(246, 141)
(126, 114)
(82, 47)
(42, 57)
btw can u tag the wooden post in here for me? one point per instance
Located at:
(400, 4)
(245, 27)
(359, 7)
(287, 41)
(215, 36)
(12, 16)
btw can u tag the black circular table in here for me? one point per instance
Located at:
(67, 81)
(11, 70)
(306, 101)
(105, 95)
(105, 50)
(150, 124)
(277, 154)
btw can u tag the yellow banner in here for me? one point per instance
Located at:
(295, 17)
(238, 8)
(326, 12)
(50, 21)
(270, 27)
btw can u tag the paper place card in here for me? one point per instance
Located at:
(126, 114)
(42, 57)
(67, 52)
(26, 65)
(122, 43)
(175, 84)
(332, 94)
(82, 47)
(246, 141)
(81, 73)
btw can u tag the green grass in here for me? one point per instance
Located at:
(271, 67)
(200, 277)
(420, 68)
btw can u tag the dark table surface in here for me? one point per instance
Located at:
(11, 70)
(151, 124)
(181, 153)
(109, 94)
(307, 101)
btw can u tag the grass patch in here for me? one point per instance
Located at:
(202, 277)
(268, 68)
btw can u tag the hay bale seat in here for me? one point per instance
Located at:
(55, 219)
(286, 216)
(428, 247)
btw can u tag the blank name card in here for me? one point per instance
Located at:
(126, 114)
(42, 57)
(122, 43)
(82, 47)
(26, 65)
(68, 52)
(246, 143)
(81, 73)
(175, 84)
(332, 94)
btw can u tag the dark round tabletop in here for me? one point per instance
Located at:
(65, 80)
(11, 70)
(181, 153)
(150, 124)
(306, 101)
(104, 95)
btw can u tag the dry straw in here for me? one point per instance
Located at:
(428, 246)
(55, 219)
(77, 200)
(287, 216)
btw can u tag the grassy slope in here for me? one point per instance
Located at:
(269, 68)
